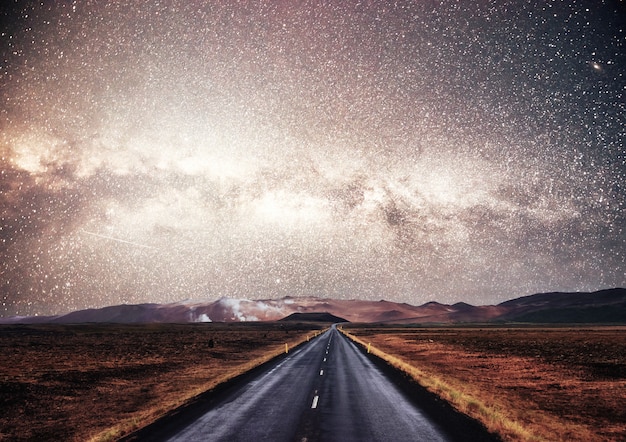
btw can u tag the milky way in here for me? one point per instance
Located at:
(411, 151)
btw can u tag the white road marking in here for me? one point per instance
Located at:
(324, 359)
(315, 399)
(321, 372)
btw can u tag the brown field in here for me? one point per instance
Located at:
(98, 382)
(552, 384)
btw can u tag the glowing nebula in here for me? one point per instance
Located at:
(409, 151)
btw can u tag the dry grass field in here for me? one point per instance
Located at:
(97, 382)
(551, 384)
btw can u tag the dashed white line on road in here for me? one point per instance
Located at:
(321, 372)
(315, 399)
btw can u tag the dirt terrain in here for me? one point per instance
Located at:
(82, 382)
(525, 383)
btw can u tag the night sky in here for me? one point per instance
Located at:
(408, 151)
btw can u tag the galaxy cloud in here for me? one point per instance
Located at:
(408, 150)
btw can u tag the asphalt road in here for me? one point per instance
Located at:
(327, 390)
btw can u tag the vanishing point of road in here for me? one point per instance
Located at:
(326, 390)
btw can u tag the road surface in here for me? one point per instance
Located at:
(327, 390)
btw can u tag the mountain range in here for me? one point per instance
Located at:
(604, 306)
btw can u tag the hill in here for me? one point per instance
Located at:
(604, 306)
(313, 317)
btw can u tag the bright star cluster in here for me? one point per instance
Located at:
(408, 150)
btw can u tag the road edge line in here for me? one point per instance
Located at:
(198, 404)
(454, 422)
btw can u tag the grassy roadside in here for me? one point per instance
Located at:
(98, 382)
(511, 419)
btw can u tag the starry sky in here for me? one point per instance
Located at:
(409, 150)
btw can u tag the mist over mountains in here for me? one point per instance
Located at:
(605, 306)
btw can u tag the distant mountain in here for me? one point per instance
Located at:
(313, 317)
(605, 306)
